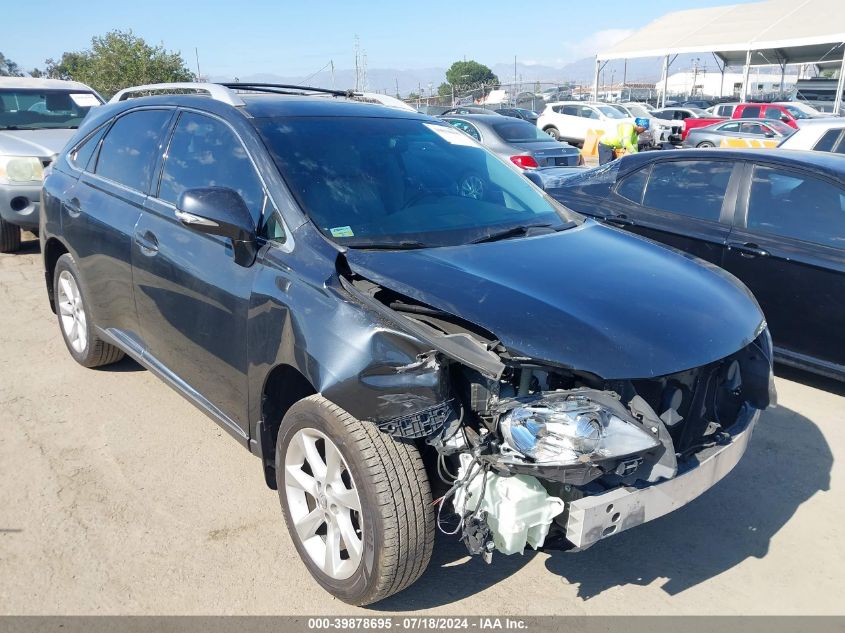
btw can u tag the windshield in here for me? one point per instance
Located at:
(520, 132)
(34, 109)
(802, 112)
(610, 112)
(377, 182)
(638, 111)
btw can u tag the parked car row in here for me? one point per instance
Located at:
(399, 325)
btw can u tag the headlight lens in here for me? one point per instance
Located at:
(20, 169)
(566, 428)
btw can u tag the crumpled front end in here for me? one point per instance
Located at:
(531, 454)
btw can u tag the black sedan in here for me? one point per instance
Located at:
(774, 218)
(524, 144)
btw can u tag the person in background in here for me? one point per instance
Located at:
(626, 136)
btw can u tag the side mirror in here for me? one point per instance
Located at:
(785, 119)
(220, 211)
(770, 134)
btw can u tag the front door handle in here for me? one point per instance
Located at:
(621, 220)
(73, 207)
(148, 242)
(748, 249)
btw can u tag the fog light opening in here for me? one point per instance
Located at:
(19, 204)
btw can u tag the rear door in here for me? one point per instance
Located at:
(788, 247)
(192, 297)
(100, 212)
(687, 204)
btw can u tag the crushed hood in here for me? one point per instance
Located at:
(40, 143)
(591, 298)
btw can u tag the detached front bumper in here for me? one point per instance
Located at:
(599, 516)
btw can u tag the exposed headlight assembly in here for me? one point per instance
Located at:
(570, 429)
(19, 169)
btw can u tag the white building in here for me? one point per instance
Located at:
(713, 84)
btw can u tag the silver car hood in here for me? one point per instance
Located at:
(40, 143)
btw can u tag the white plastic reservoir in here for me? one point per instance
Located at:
(519, 510)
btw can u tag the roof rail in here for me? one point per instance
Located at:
(218, 92)
(285, 89)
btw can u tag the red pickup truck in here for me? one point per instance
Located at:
(789, 113)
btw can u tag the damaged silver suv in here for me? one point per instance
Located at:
(406, 331)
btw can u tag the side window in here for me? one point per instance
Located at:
(680, 115)
(463, 126)
(792, 204)
(588, 113)
(663, 115)
(632, 186)
(571, 110)
(130, 148)
(730, 127)
(694, 188)
(81, 156)
(827, 141)
(752, 112)
(204, 152)
(753, 128)
(772, 113)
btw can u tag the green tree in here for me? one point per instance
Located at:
(445, 89)
(8, 68)
(117, 60)
(470, 75)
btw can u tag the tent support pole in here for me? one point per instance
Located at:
(665, 81)
(840, 85)
(745, 71)
(782, 77)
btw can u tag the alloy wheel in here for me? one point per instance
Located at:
(324, 503)
(72, 312)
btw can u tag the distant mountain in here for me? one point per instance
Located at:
(580, 71)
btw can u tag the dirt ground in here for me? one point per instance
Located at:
(119, 497)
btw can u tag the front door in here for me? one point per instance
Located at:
(192, 298)
(789, 248)
(686, 204)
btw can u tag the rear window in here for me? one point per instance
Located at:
(517, 131)
(596, 181)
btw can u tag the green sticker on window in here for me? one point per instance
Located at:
(342, 231)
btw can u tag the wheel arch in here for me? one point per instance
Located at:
(284, 386)
(54, 248)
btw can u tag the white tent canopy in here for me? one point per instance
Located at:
(777, 32)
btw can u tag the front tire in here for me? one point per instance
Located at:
(10, 237)
(357, 502)
(75, 322)
(705, 144)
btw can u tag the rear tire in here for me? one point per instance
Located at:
(10, 237)
(553, 132)
(75, 321)
(376, 495)
(705, 144)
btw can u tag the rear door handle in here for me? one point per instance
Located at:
(148, 242)
(748, 249)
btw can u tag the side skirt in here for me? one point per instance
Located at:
(119, 339)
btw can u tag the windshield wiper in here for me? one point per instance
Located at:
(516, 231)
(404, 245)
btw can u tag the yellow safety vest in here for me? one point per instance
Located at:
(625, 136)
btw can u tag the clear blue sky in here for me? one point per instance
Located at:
(242, 37)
